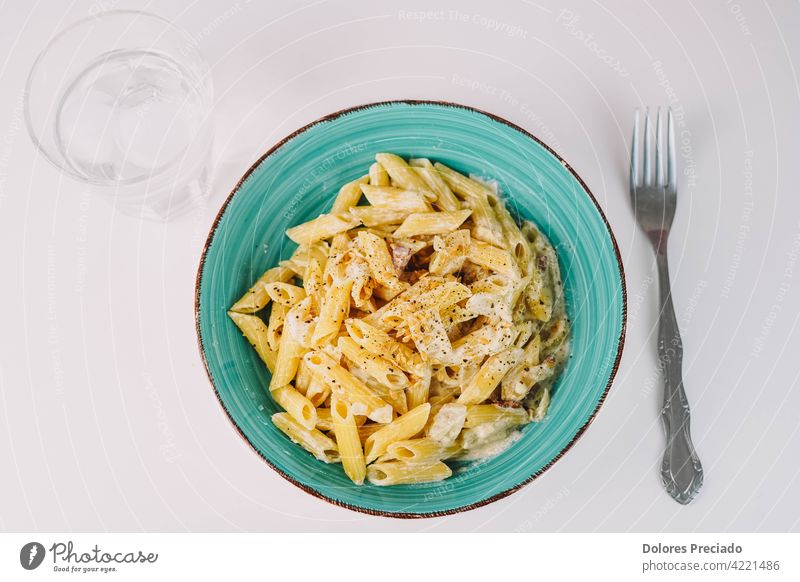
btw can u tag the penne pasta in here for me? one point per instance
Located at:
(349, 444)
(422, 451)
(277, 317)
(321, 228)
(445, 199)
(314, 441)
(451, 252)
(256, 298)
(289, 353)
(285, 293)
(400, 172)
(348, 196)
(384, 371)
(427, 223)
(346, 386)
(335, 309)
(418, 391)
(376, 255)
(257, 334)
(373, 216)
(378, 176)
(390, 198)
(493, 258)
(297, 405)
(478, 414)
(477, 197)
(378, 342)
(404, 427)
(318, 392)
(397, 473)
(488, 377)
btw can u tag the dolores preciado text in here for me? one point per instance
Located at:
(692, 549)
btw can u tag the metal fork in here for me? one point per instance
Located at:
(654, 197)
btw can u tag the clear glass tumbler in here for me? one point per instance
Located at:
(122, 101)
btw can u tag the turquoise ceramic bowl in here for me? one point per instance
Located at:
(297, 180)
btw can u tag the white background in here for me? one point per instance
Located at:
(107, 420)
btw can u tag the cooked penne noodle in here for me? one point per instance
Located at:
(390, 198)
(256, 332)
(426, 223)
(303, 378)
(493, 258)
(422, 451)
(520, 379)
(313, 283)
(277, 316)
(346, 386)
(335, 309)
(378, 342)
(404, 427)
(478, 414)
(304, 254)
(488, 377)
(378, 176)
(384, 371)
(285, 293)
(376, 254)
(324, 420)
(318, 392)
(462, 185)
(372, 216)
(418, 391)
(392, 309)
(289, 353)
(314, 441)
(348, 196)
(321, 228)
(256, 298)
(401, 173)
(436, 299)
(349, 444)
(397, 473)
(489, 339)
(451, 252)
(297, 405)
(395, 397)
(477, 197)
(445, 198)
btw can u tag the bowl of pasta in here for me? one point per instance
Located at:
(410, 308)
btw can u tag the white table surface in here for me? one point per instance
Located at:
(107, 420)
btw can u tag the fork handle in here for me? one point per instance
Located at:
(681, 471)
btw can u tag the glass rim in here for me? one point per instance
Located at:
(65, 168)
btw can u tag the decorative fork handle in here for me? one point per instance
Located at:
(681, 471)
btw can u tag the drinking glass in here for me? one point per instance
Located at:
(121, 101)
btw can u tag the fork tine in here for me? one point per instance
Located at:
(672, 179)
(635, 153)
(659, 150)
(648, 150)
